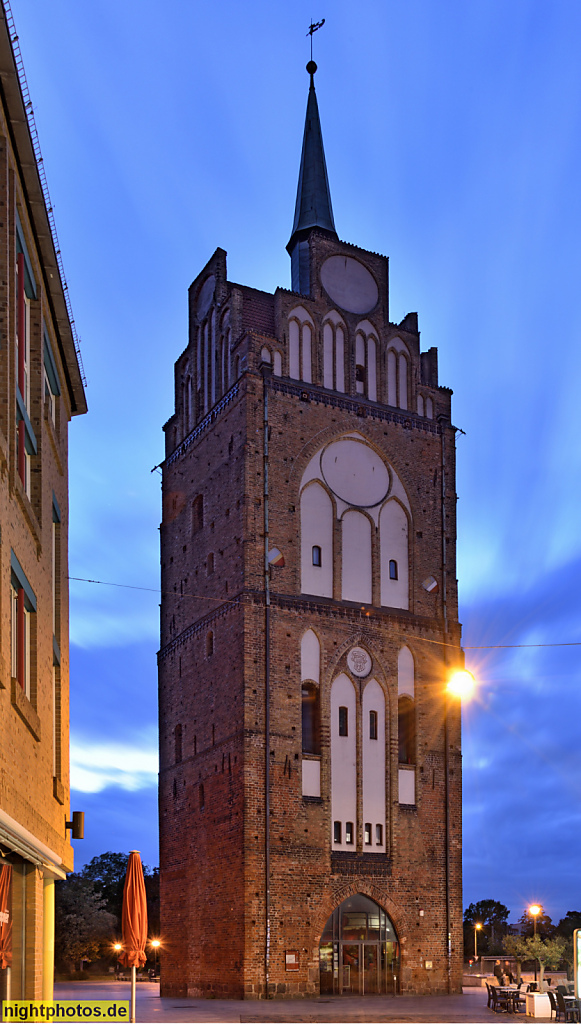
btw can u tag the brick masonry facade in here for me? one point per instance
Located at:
(226, 931)
(34, 654)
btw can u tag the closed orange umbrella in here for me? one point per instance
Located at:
(5, 916)
(134, 920)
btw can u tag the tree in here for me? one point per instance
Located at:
(569, 923)
(82, 922)
(544, 926)
(493, 916)
(107, 875)
(513, 946)
(548, 952)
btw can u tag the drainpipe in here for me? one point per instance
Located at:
(266, 370)
(443, 423)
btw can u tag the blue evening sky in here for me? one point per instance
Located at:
(453, 137)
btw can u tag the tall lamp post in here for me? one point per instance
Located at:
(477, 928)
(460, 686)
(534, 911)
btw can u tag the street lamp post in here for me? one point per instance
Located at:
(477, 928)
(534, 911)
(155, 944)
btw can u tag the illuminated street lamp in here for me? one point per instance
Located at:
(462, 684)
(477, 928)
(534, 911)
(155, 944)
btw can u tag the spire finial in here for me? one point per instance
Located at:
(313, 27)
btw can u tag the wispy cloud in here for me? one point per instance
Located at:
(95, 766)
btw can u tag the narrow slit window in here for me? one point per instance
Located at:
(317, 555)
(201, 797)
(368, 833)
(336, 831)
(178, 744)
(209, 644)
(210, 563)
(343, 722)
(198, 514)
(392, 569)
(349, 833)
(378, 835)
(373, 725)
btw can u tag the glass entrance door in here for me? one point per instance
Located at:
(359, 951)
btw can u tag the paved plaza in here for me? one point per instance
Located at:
(468, 1008)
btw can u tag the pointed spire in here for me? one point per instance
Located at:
(313, 207)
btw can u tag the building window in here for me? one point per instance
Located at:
(209, 644)
(311, 741)
(343, 721)
(210, 563)
(317, 555)
(336, 831)
(373, 725)
(23, 606)
(349, 833)
(201, 797)
(177, 743)
(378, 835)
(198, 514)
(368, 833)
(406, 726)
(392, 569)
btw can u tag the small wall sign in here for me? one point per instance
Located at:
(291, 960)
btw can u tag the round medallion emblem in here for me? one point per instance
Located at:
(359, 662)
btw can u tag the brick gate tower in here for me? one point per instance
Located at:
(310, 775)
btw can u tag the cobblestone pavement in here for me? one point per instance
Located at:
(468, 1008)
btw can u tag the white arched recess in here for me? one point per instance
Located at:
(406, 689)
(316, 532)
(373, 727)
(343, 764)
(393, 535)
(356, 555)
(311, 671)
(334, 352)
(310, 656)
(300, 335)
(397, 373)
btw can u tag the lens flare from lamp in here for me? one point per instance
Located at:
(462, 684)
(535, 910)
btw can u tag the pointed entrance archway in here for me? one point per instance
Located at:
(359, 950)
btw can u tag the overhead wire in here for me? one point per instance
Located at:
(220, 600)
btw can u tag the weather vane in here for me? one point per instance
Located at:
(314, 27)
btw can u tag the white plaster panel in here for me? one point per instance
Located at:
(407, 785)
(356, 568)
(405, 673)
(311, 778)
(212, 367)
(374, 764)
(343, 759)
(293, 350)
(398, 345)
(340, 359)
(277, 364)
(349, 283)
(360, 350)
(265, 355)
(403, 382)
(310, 656)
(355, 472)
(307, 373)
(316, 528)
(328, 381)
(429, 408)
(371, 369)
(391, 378)
(393, 539)
(420, 405)
(300, 313)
